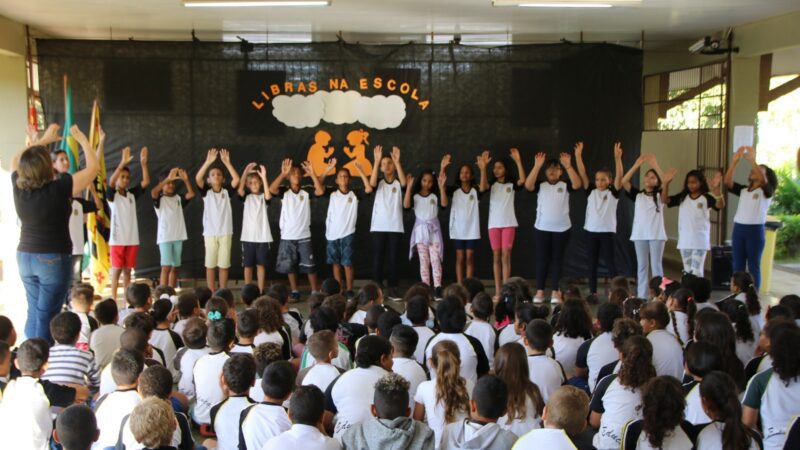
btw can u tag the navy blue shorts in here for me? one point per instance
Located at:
(340, 251)
(255, 254)
(466, 244)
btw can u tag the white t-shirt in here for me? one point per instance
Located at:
(352, 396)
(667, 354)
(171, 223)
(507, 335)
(675, 439)
(648, 219)
(484, 332)
(601, 210)
(413, 373)
(777, 403)
(104, 342)
(79, 209)
(184, 362)
(682, 323)
(342, 214)
(465, 221)
(321, 376)
(469, 358)
(225, 421)
(295, 221)
(206, 372)
(501, 205)
(302, 437)
(25, 421)
(434, 411)
(387, 210)
(552, 206)
(566, 350)
(426, 207)
(168, 342)
(255, 222)
(546, 373)
(521, 425)
(217, 215)
(694, 222)
(694, 412)
(262, 422)
(425, 335)
(110, 410)
(358, 317)
(619, 405)
(549, 438)
(710, 438)
(124, 224)
(753, 205)
(601, 352)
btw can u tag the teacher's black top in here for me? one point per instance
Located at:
(44, 216)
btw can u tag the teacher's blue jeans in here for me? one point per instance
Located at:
(46, 277)
(748, 245)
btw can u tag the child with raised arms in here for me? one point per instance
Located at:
(256, 234)
(171, 228)
(426, 236)
(217, 215)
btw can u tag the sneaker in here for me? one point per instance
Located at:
(538, 300)
(295, 297)
(555, 300)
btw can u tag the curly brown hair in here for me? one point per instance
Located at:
(662, 408)
(623, 329)
(637, 362)
(270, 316)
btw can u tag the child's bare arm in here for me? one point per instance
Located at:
(200, 178)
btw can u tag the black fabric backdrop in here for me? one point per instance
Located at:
(533, 97)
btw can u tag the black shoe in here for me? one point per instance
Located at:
(437, 292)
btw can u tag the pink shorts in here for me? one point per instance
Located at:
(124, 256)
(502, 238)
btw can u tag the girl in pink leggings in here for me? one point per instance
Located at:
(502, 218)
(426, 237)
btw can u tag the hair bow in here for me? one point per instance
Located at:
(214, 315)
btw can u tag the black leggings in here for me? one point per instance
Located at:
(385, 247)
(550, 248)
(600, 243)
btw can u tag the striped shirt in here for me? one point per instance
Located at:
(68, 364)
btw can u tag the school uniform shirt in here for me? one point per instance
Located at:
(601, 210)
(70, 365)
(294, 321)
(239, 348)
(756, 365)
(104, 342)
(694, 413)
(694, 221)
(546, 373)
(709, 437)
(179, 326)
(350, 396)
(80, 207)
(434, 410)
(756, 320)
(753, 204)
(426, 207)
(667, 354)
(486, 334)
(295, 220)
(473, 358)
(342, 360)
(552, 206)
(124, 225)
(507, 334)
(521, 425)
(217, 215)
(261, 422)
(208, 392)
(777, 402)
(110, 409)
(184, 361)
(745, 350)
(321, 376)
(358, 317)
(679, 438)
(596, 353)
(181, 438)
(171, 225)
(549, 438)
(25, 421)
(88, 324)
(413, 372)
(302, 437)
(648, 219)
(255, 222)
(225, 420)
(566, 350)
(465, 222)
(169, 342)
(425, 335)
(682, 323)
(618, 404)
(501, 205)
(387, 209)
(342, 215)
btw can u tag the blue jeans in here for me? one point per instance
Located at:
(748, 245)
(46, 277)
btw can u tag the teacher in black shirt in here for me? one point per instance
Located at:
(42, 200)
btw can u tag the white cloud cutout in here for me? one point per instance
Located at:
(339, 107)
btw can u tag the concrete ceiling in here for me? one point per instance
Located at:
(389, 20)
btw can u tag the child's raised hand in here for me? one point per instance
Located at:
(618, 150)
(307, 168)
(716, 181)
(377, 152)
(579, 149)
(514, 153)
(101, 134)
(331, 165)
(396, 154)
(358, 166)
(249, 168)
(483, 159)
(183, 175)
(143, 155)
(669, 175)
(445, 162)
(442, 179)
(78, 135)
(750, 154)
(539, 160)
(126, 156)
(211, 156)
(262, 171)
(409, 180)
(565, 159)
(286, 167)
(225, 156)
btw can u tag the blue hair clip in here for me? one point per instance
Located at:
(214, 315)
